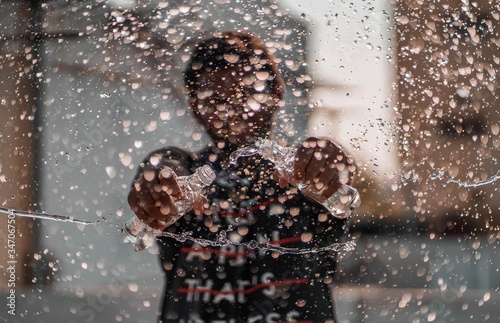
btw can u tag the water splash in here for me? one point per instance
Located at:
(46, 216)
(490, 180)
(242, 152)
(283, 158)
(341, 204)
(222, 240)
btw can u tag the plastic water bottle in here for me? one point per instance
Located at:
(340, 204)
(142, 236)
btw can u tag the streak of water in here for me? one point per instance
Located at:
(46, 216)
(242, 152)
(490, 180)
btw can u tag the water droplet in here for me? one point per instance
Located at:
(111, 171)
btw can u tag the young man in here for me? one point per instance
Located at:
(234, 89)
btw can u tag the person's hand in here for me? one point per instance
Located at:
(318, 163)
(153, 195)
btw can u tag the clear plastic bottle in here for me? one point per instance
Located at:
(340, 204)
(142, 236)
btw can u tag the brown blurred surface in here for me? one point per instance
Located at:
(17, 164)
(448, 62)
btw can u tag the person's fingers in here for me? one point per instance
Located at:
(149, 205)
(312, 158)
(327, 181)
(157, 225)
(133, 202)
(162, 199)
(281, 180)
(140, 212)
(149, 202)
(167, 178)
(334, 184)
(314, 172)
(156, 217)
(321, 170)
(162, 211)
(302, 157)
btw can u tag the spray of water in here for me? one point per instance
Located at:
(222, 240)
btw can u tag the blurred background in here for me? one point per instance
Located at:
(409, 88)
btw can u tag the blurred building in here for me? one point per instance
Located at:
(436, 258)
(449, 58)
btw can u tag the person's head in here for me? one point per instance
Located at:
(234, 87)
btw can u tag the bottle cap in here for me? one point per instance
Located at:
(206, 174)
